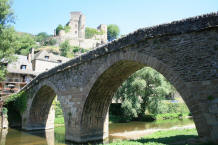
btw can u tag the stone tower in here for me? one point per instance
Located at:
(77, 24)
(76, 33)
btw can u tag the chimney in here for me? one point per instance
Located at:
(32, 54)
(29, 57)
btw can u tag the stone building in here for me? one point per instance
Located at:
(25, 68)
(76, 34)
(43, 61)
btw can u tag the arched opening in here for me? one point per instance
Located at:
(96, 107)
(42, 113)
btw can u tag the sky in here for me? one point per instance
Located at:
(35, 16)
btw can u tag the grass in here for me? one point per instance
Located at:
(59, 120)
(164, 138)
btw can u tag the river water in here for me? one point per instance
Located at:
(116, 131)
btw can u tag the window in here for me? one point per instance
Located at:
(75, 32)
(60, 61)
(23, 67)
(76, 25)
(46, 57)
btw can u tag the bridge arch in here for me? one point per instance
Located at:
(40, 113)
(109, 78)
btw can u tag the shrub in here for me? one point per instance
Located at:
(58, 109)
(90, 32)
(18, 101)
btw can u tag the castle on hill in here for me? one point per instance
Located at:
(76, 34)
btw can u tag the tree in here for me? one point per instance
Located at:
(50, 41)
(66, 28)
(24, 42)
(7, 36)
(90, 32)
(142, 92)
(41, 37)
(65, 49)
(59, 28)
(113, 32)
(44, 39)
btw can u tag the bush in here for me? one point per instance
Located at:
(50, 41)
(58, 109)
(4, 111)
(90, 32)
(18, 101)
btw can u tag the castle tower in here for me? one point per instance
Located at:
(82, 21)
(77, 24)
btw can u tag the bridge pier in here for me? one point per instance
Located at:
(80, 134)
(203, 104)
(75, 131)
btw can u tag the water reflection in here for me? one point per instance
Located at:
(57, 136)
(3, 134)
(50, 138)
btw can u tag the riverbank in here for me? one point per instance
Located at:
(140, 133)
(169, 137)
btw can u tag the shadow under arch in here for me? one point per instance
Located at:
(96, 107)
(40, 112)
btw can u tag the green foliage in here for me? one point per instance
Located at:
(50, 41)
(66, 28)
(24, 42)
(6, 14)
(18, 101)
(164, 107)
(210, 98)
(90, 32)
(65, 48)
(113, 32)
(7, 36)
(59, 28)
(70, 51)
(59, 120)
(58, 109)
(41, 37)
(44, 39)
(4, 110)
(162, 138)
(168, 116)
(142, 91)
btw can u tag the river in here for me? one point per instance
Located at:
(120, 131)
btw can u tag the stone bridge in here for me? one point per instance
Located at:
(185, 52)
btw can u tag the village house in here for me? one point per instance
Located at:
(25, 68)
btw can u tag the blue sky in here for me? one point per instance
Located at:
(34, 16)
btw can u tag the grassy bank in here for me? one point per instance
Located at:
(59, 120)
(148, 118)
(178, 137)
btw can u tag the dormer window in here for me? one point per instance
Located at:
(46, 57)
(60, 61)
(23, 67)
